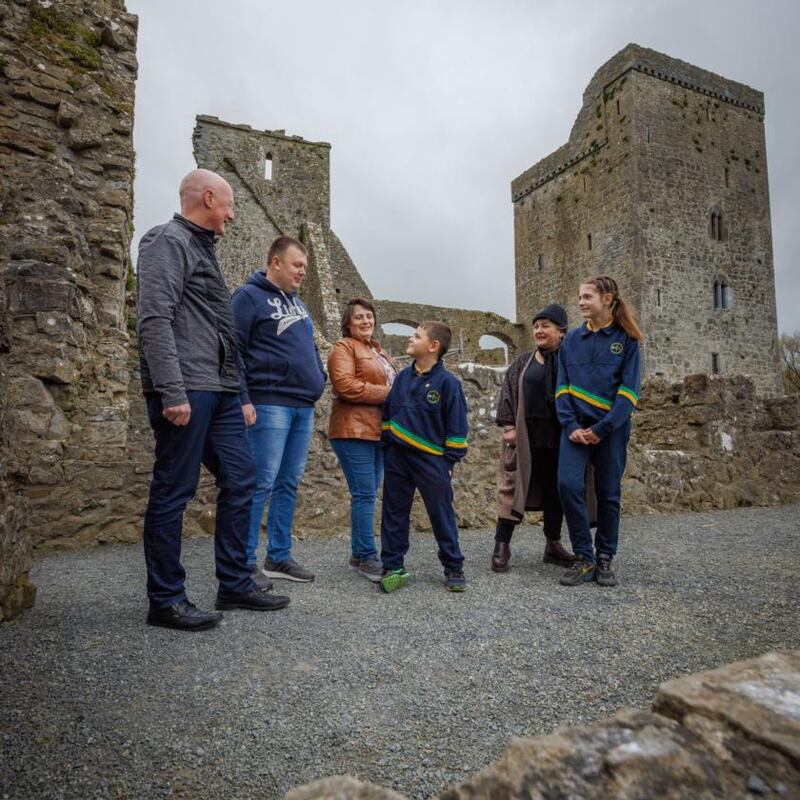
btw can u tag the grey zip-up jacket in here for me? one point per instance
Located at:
(187, 336)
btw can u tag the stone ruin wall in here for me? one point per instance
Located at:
(726, 734)
(66, 118)
(295, 201)
(74, 439)
(657, 147)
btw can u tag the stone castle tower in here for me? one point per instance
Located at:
(662, 185)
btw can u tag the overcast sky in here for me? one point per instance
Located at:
(432, 108)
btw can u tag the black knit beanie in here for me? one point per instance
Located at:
(555, 313)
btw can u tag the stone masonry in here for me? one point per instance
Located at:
(662, 185)
(66, 117)
(731, 733)
(282, 187)
(75, 445)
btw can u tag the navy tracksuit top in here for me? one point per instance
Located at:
(427, 413)
(598, 379)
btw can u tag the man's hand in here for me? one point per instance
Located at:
(178, 415)
(249, 411)
(510, 437)
(578, 436)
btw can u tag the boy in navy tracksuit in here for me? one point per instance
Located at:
(425, 435)
(597, 389)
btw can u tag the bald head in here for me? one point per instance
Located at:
(206, 200)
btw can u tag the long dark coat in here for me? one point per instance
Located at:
(516, 492)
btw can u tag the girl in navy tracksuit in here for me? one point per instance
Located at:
(596, 391)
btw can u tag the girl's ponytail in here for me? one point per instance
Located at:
(622, 312)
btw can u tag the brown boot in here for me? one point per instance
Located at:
(554, 553)
(502, 552)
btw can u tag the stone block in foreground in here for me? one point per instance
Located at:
(728, 733)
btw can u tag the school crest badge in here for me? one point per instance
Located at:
(616, 348)
(433, 397)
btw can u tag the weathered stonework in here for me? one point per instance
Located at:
(295, 201)
(731, 733)
(66, 116)
(708, 442)
(663, 185)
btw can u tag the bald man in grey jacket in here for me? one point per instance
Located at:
(191, 380)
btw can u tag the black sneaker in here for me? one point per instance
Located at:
(261, 581)
(252, 601)
(287, 570)
(605, 572)
(183, 616)
(580, 572)
(370, 568)
(455, 580)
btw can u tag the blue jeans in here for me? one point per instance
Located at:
(215, 436)
(362, 464)
(608, 458)
(279, 443)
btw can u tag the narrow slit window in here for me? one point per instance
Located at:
(658, 298)
(589, 240)
(715, 363)
(617, 107)
(727, 176)
(268, 167)
(541, 261)
(717, 226)
(647, 134)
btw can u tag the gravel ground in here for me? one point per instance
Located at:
(413, 690)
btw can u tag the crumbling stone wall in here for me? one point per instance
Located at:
(707, 442)
(658, 149)
(66, 117)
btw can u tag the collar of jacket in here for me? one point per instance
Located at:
(606, 329)
(204, 233)
(430, 371)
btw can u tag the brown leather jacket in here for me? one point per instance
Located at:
(359, 389)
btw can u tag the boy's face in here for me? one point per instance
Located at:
(420, 345)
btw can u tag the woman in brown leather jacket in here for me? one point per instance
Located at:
(361, 375)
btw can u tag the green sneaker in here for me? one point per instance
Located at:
(455, 580)
(394, 579)
(580, 572)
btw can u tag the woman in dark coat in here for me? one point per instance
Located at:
(528, 473)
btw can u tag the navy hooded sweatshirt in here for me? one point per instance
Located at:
(276, 338)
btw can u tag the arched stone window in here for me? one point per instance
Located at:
(723, 294)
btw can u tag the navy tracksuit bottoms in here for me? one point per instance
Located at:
(608, 458)
(404, 471)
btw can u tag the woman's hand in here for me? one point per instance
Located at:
(584, 436)
(578, 436)
(510, 436)
(590, 436)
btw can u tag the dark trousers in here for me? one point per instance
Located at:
(544, 471)
(405, 470)
(215, 436)
(608, 458)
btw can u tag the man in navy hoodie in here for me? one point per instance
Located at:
(285, 378)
